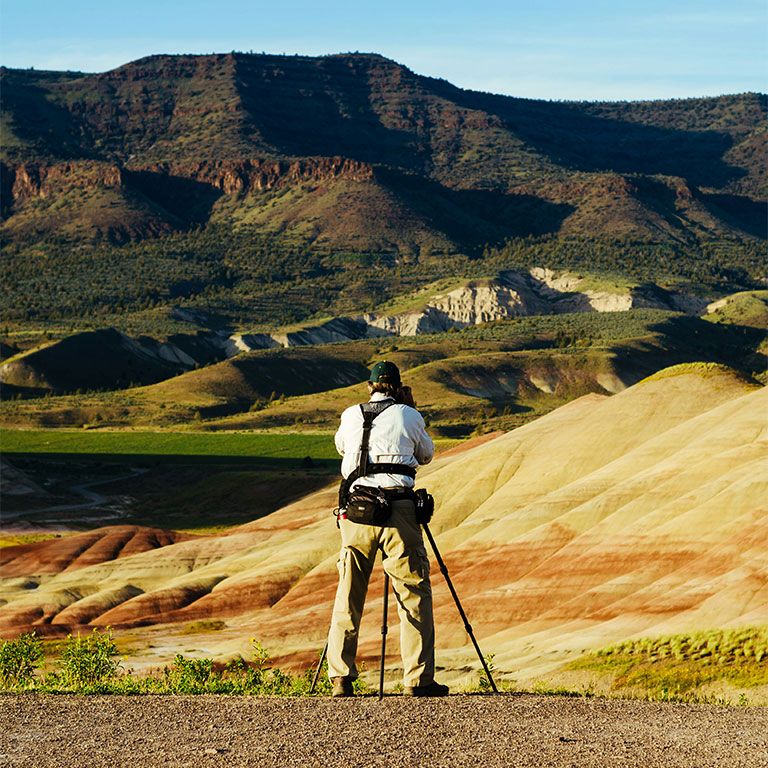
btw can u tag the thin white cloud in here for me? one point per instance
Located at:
(705, 18)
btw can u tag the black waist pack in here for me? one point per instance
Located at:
(368, 505)
(425, 505)
(373, 506)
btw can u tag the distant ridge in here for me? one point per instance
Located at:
(354, 155)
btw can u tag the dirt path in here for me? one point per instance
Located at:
(93, 500)
(511, 730)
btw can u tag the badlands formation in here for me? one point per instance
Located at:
(145, 360)
(638, 514)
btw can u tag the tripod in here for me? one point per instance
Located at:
(384, 629)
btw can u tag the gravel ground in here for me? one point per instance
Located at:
(509, 730)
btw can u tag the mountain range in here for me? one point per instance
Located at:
(344, 157)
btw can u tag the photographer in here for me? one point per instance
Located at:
(377, 511)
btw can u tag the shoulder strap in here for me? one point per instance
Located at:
(368, 417)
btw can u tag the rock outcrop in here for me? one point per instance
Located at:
(515, 294)
(258, 174)
(470, 304)
(30, 180)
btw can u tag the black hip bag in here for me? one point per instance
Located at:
(371, 505)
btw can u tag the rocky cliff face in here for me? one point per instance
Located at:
(30, 180)
(236, 177)
(516, 294)
(477, 302)
(513, 294)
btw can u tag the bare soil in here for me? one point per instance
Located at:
(518, 730)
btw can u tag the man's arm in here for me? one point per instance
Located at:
(339, 440)
(424, 448)
(340, 433)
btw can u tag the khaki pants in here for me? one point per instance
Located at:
(406, 562)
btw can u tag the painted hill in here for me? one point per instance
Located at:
(640, 513)
(92, 360)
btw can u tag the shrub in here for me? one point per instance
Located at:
(484, 683)
(188, 675)
(87, 662)
(19, 659)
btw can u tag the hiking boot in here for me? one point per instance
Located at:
(433, 689)
(342, 687)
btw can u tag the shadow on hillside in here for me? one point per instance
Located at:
(38, 120)
(320, 108)
(750, 216)
(477, 217)
(81, 492)
(572, 137)
(188, 200)
(687, 340)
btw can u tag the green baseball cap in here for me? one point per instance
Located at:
(385, 372)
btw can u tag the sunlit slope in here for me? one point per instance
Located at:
(643, 512)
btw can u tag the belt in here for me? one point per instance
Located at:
(397, 493)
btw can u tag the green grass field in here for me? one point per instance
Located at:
(253, 445)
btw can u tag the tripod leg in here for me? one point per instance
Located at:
(384, 636)
(467, 626)
(319, 667)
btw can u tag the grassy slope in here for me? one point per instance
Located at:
(497, 375)
(90, 213)
(167, 444)
(341, 215)
(748, 308)
(683, 666)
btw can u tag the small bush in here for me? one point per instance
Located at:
(88, 662)
(204, 625)
(188, 675)
(87, 665)
(19, 659)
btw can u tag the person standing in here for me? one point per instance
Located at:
(397, 436)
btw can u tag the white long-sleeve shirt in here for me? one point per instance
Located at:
(398, 436)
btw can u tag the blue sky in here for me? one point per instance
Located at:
(552, 49)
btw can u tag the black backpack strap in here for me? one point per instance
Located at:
(368, 417)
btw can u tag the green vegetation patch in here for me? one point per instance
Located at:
(91, 664)
(698, 368)
(19, 539)
(675, 666)
(748, 308)
(262, 446)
